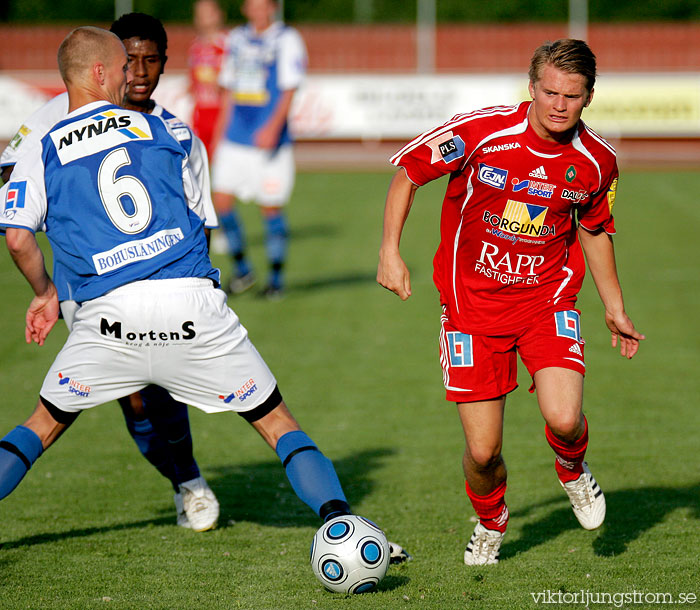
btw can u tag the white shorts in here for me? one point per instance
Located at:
(253, 174)
(178, 334)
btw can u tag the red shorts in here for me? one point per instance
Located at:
(479, 367)
(203, 123)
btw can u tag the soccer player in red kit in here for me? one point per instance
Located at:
(531, 189)
(205, 55)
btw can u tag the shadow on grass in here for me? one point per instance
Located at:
(392, 581)
(258, 492)
(85, 532)
(630, 513)
(261, 493)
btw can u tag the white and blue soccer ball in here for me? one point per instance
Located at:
(349, 554)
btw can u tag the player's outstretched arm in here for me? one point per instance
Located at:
(392, 272)
(43, 310)
(600, 255)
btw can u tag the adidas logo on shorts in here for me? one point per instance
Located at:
(576, 349)
(539, 173)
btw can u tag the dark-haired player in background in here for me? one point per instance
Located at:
(531, 189)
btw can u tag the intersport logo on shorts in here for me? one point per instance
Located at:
(245, 391)
(74, 387)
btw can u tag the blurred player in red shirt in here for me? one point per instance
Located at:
(205, 56)
(531, 189)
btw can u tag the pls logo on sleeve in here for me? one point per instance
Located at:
(446, 147)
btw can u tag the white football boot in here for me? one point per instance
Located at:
(397, 554)
(483, 547)
(200, 505)
(182, 519)
(587, 499)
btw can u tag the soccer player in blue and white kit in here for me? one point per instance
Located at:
(158, 424)
(114, 192)
(264, 64)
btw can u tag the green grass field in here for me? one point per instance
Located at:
(93, 526)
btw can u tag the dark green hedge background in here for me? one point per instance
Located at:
(343, 11)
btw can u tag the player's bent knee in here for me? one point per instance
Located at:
(485, 458)
(567, 427)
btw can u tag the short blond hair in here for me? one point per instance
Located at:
(81, 49)
(566, 54)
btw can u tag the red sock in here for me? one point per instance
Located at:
(491, 508)
(569, 462)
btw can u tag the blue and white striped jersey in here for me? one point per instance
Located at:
(114, 192)
(257, 68)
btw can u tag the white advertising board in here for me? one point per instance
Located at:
(398, 107)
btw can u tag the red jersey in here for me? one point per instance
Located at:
(205, 62)
(509, 251)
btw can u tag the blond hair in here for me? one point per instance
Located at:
(566, 54)
(81, 49)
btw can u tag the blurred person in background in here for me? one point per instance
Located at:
(204, 61)
(264, 64)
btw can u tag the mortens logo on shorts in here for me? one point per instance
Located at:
(74, 387)
(493, 176)
(115, 330)
(245, 391)
(99, 132)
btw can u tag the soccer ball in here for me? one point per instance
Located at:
(349, 554)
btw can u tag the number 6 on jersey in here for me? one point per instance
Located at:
(113, 189)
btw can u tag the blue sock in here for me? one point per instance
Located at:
(151, 444)
(276, 237)
(18, 451)
(171, 420)
(233, 228)
(312, 475)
